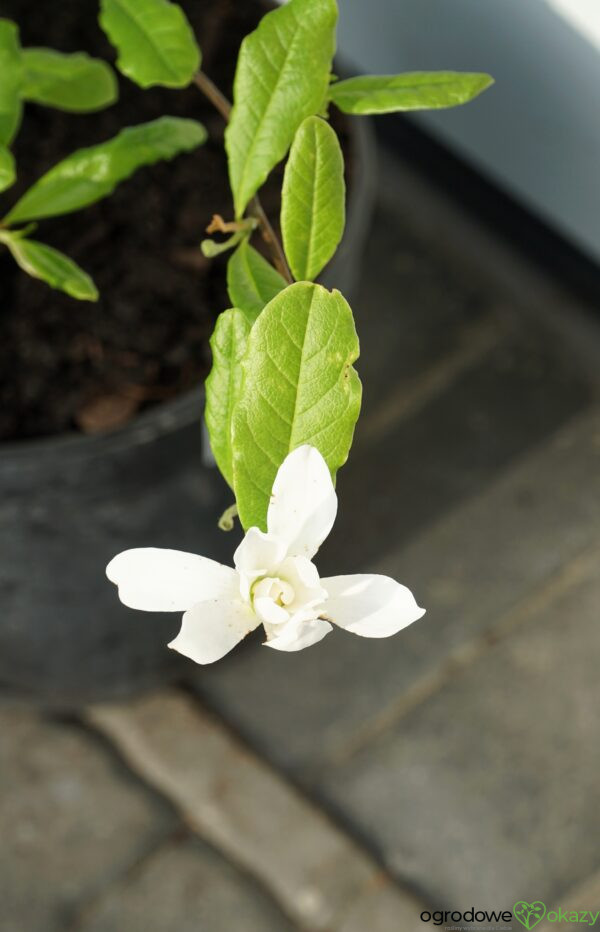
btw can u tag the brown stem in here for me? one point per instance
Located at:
(210, 90)
(271, 239)
(220, 102)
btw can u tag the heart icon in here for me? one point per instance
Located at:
(529, 914)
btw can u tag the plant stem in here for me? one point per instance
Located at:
(210, 90)
(220, 102)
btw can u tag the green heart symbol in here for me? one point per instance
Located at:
(529, 914)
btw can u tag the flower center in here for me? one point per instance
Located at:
(277, 590)
(272, 600)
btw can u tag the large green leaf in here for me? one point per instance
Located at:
(51, 266)
(90, 174)
(228, 344)
(313, 201)
(10, 81)
(73, 82)
(281, 78)
(7, 168)
(252, 281)
(298, 387)
(416, 90)
(155, 41)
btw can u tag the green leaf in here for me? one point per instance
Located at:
(154, 39)
(51, 266)
(90, 174)
(252, 281)
(313, 208)
(10, 81)
(7, 169)
(416, 90)
(228, 344)
(281, 78)
(70, 82)
(298, 387)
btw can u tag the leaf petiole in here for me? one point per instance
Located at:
(6, 233)
(227, 519)
(210, 248)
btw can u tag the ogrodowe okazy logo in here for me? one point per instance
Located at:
(528, 914)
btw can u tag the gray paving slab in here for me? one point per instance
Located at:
(415, 307)
(488, 260)
(584, 899)
(515, 396)
(316, 873)
(427, 300)
(470, 569)
(189, 888)
(71, 821)
(488, 792)
(383, 911)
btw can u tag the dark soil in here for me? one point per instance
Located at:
(67, 365)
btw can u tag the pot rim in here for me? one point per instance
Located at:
(169, 416)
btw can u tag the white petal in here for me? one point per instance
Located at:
(369, 605)
(268, 611)
(303, 577)
(259, 554)
(301, 571)
(296, 635)
(210, 630)
(154, 580)
(303, 502)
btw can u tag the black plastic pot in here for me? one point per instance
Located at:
(67, 505)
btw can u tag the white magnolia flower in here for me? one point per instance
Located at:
(274, 583)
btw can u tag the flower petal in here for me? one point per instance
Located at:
(296, 635)
(303, 502)
(210, 630)
(369, 605)
(259, 554)
(155, 580)
(303, 577)
(270, 612)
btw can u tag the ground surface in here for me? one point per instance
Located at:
(355, 784)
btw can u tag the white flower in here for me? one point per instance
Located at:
(274, 583)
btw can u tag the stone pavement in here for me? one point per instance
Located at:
(348, 787)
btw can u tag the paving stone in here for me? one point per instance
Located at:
(518, 394)
(488, 793)
(426, 304)
(468, 570)
(383, 911)
(70, 821)
(488, 259)
(414, 310)
(189, 888)
(242, 807)
(586, 898)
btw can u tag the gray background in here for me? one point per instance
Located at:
(537, 131)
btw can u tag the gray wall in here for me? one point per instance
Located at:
(537, 131)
